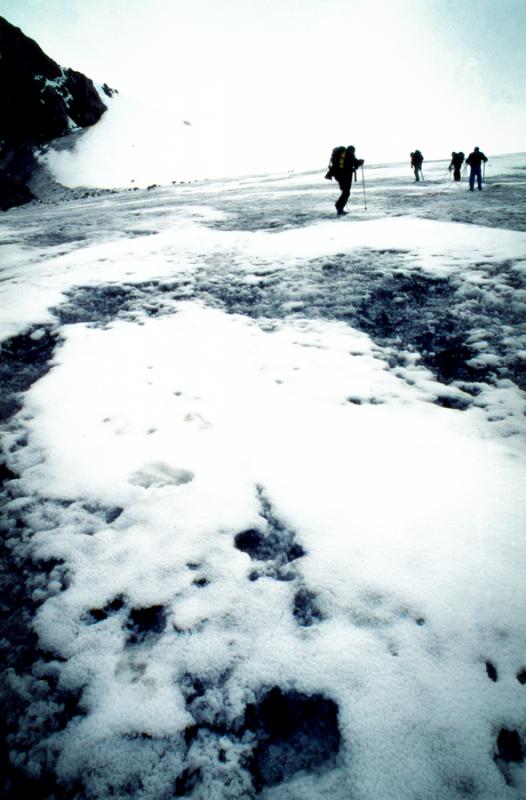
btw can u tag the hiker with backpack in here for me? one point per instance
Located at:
(417, 159)
(457, 159)
(342, 167)
(475, 160)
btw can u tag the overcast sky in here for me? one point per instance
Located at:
(305, 75)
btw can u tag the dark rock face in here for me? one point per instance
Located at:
(13, 192)
(85, 107)
(28, 76)
(38, 100)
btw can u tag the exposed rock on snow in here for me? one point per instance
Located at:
(23, 359)
(294, 732)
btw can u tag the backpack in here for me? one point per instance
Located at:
(336, 162)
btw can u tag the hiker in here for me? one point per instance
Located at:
(417, 160)
(457, 159)
(343, 166)
(475, 160)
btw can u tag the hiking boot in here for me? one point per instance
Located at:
(341, 212)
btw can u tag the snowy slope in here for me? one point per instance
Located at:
(269, 493)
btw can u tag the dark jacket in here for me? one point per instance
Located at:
(351, 164)
(476, 158)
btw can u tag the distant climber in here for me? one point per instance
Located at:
(475, 160)
(457, 159)
(343, 166)
(417, 159)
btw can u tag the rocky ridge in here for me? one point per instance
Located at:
(40, 101)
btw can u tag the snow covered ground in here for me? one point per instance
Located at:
(264, 490)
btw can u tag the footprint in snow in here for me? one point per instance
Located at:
(157, 474)
(200, 422)
(510, 746)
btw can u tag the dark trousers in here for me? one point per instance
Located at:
(345, 189)
(456, 173)
(475, 173)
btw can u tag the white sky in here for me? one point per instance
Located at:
(301, 76)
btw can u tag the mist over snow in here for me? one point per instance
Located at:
(263, 479)
(139, 143)
(134, 145)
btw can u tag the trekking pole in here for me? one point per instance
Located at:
(363, 184)
(422, 174)
(483, 172)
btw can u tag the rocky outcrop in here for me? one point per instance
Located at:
(13, 192)
(40, 100)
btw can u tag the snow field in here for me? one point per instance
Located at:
(177, 421)
(229, 503)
